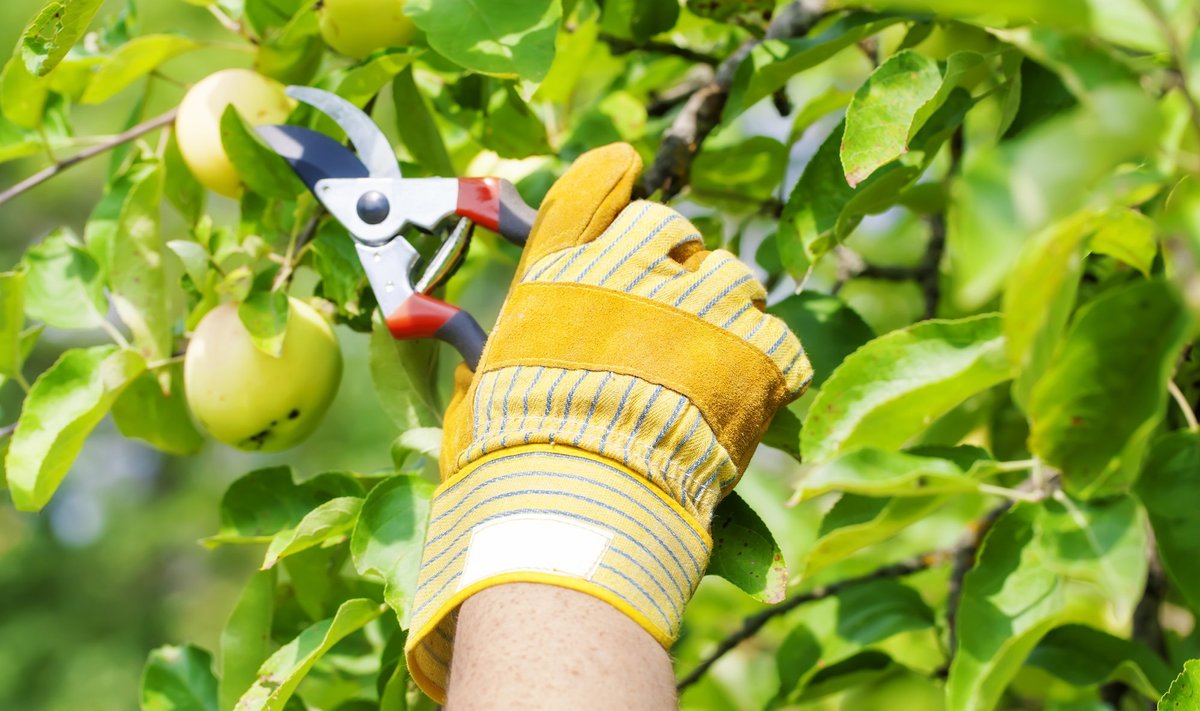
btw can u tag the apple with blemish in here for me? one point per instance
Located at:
(251, 400)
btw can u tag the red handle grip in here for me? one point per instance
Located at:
(419, 316)
(495, 204)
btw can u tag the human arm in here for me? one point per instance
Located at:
(628, 380)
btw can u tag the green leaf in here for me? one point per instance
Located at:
(856, 522)
(180, 185)
(137, 276)
(745, 553)
(64, 404)
(265, 316)
(784, 433)
(54, 31)
(830, 330)
(1184, 690)
(511, 128)
(267, 501)
(63, 286)
(890, 389)
(881, 115)
(1129, 236)
(12, 321)
(638, 20)
(772, 62)
(874, 472)
(132, 61)
(143, 411)
(285, 669)
(1169, 483)
(837, 628)
(362, 81)
(387, 540)
(418, 131)
(179, 679)
(336, 261)
(1039, 298)
(1023, 185)
(393, 675)
(508, 40)
(740, 173)
(823, 208)
(246, 638)
(1042, 566)
(261, 169)
(328, 523)
(1092, 413)
(404, 376)
(290, 53)
(1086, 657)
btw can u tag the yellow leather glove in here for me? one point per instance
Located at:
(628, 380)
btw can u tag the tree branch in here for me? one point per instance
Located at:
(681, 142)
(43, 175)
(752, 624)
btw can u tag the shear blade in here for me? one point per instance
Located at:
(313, 155)
(370, 142)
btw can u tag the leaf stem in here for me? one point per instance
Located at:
(1017, 465)
(124, 137)
(231, 24)
(1011, 494)
(1184, 406)
(113, 333)
(20, 378)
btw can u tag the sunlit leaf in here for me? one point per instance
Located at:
(879, 118)
(266, 501)
(63, 284)
(387, 540)
(246, 638)
(1093, 411)
(874, 472)
(65, 403)
(1184, 690)
(502, 39)
(1042, 566)
(745, 553)
(1170, 480)
(403, 373)
(893, 387)
(145, 412)
(286, 668)
(265, 314)
(54, 31)
(1085, 656)
(771, 63)
(331, 521)
(131, 61)
(12, 321)
(179, 679)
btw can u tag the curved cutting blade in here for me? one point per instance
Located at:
(313, 155)
(372, 146)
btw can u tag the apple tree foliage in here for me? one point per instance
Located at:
(983, 219)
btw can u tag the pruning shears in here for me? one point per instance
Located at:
(370, 197)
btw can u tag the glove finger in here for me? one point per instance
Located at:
(583, 202)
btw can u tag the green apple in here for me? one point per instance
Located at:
(257, 98)
(358, 27)
(251, 400)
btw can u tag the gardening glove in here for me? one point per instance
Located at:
(628, 380)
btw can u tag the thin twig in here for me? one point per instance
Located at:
(681, 142)
(231, 24)
(7, 430)
(620, 45)
(124, 137)
(1185, 407)
(752, 624)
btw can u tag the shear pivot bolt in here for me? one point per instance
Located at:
(373, 207)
